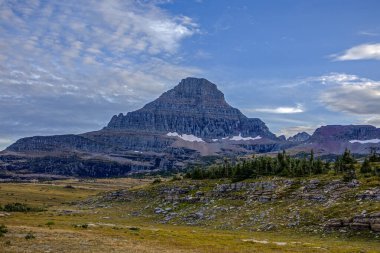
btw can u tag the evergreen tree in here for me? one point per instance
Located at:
(366, 166)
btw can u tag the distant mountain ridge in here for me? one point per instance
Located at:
(191, 124)
(300, 137)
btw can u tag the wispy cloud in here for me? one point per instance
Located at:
(360, 52)
(351, 94)
(280, 110)
(84, 61)
(369, 33)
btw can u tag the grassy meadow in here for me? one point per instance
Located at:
(63, 225)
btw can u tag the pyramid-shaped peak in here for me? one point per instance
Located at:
(194, 106)
(192, 87)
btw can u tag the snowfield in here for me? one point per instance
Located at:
(365, 141)
(240, 138)
(186, 137)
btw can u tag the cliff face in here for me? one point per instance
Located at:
(345, 133)
(195, 106)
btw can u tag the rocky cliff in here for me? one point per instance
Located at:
(334, 139)
(345, 133)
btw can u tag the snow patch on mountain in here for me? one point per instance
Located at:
(185, 137)
(365, 141)
(240, 138)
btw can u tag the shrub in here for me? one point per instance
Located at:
(50, 223)
(134, 228)
(29, 236)
(349, 175)
(20, 207)
(3, 230)
(177, 177)
(157, 181)
(366, 167)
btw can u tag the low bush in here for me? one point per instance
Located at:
(3, 230)
(157, 181)
(29, 236)
(20, 207)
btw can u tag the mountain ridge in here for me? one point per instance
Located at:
(189, 125)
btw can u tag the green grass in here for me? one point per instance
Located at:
(68, 225)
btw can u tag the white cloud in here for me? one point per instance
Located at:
(369, 33)
(84, 61)
(360, 52)
(374, 120)
(351, 94)
(280, 110)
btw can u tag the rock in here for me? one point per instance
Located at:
(264, 199)
(334, 223)
(4, 214)
(159, 210)
(375, 227)
(371, 194)
(354, 183)
(359, 226)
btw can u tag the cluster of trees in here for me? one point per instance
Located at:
(368, 161)
(281, 165)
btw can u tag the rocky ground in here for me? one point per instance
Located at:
(319, 205)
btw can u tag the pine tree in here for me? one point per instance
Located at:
(366, 166)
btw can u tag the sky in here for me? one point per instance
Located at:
(69, 66)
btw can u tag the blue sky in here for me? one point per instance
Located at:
(68, 66)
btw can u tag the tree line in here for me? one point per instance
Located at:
(285, 165)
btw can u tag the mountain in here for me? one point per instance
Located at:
(185, 125)
(334, 139)
(345, 133)
(300, 137)
(195, 106)
(189, 125)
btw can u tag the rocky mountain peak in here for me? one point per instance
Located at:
(197, 87)
(195, 106)
(191, 93)
(299, 137)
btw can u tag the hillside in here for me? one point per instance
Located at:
(315, 214)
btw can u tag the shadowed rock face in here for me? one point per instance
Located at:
(195, 106)
(300, 137)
